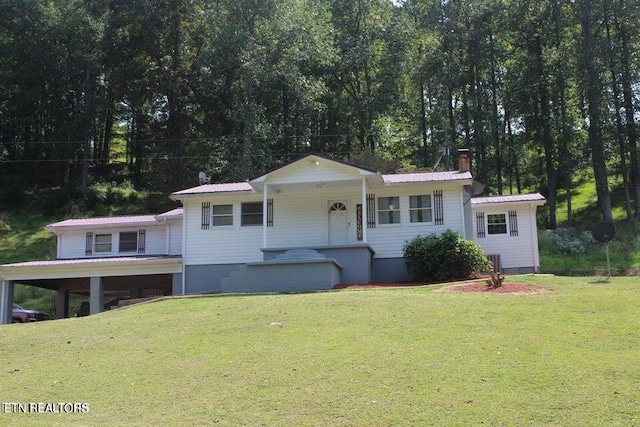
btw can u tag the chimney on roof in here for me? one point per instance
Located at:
(464, 161)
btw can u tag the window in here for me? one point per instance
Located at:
(222, 215)
(389, 210)
(103, 243)
(251, 214)
(129, 241)
(496, 224)
(420, 209)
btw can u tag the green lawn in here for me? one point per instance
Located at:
(380, 357)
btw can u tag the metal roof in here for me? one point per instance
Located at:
(231, 187)
(513, 198)
(401, 178)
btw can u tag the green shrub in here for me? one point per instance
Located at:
(566, 241)
(448, 256)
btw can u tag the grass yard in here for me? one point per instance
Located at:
(409, 356)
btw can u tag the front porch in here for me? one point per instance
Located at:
(303, 269)
(98, 278)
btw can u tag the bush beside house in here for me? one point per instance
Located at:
(448, 256)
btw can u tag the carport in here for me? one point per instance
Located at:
(133, 277)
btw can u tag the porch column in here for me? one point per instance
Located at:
(176, 284)
(62, 304)
(264, 216)
(96, 295)
(6, 301)
(365, 216)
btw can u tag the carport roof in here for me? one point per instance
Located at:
(91, 267)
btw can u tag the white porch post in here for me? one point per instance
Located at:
(6, 301)
(365, 216)
(264, 216)
(96, 295)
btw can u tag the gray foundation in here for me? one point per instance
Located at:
(355, 260)
(387, 270)
(206, 278)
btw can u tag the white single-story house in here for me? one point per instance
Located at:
(308, 225)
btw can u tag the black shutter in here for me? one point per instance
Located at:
(88, 249)
(142, 241)
(359, 232)
(206, 215)
(438, 207)
(513, 223)
(269, 212)
(371, 211)
(480, 224)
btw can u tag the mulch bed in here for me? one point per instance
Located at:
(507, 288)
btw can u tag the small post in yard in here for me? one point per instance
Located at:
(604, 232)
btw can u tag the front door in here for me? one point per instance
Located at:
(338, 222)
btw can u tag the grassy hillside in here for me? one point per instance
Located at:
(381, 357)
(573, 249)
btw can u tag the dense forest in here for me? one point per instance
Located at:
(154, 91)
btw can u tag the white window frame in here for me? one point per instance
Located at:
(488, 224)
(97, 244)
(215, 216)
(429, 209)
(388, 211)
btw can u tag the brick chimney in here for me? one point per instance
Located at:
(464, 161)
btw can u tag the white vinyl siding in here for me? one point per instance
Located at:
(301, 219)
(515, 251)
(387, 242)
(220, 245)
(72, 243)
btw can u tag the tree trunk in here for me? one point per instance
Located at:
(592, 86)
(627, 94)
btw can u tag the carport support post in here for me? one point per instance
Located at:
(6, 301)
(96, 295)
(62, 304)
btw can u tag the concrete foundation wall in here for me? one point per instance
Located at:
(279, 276)
(355, 260)
(207, 278)
(390, 270)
